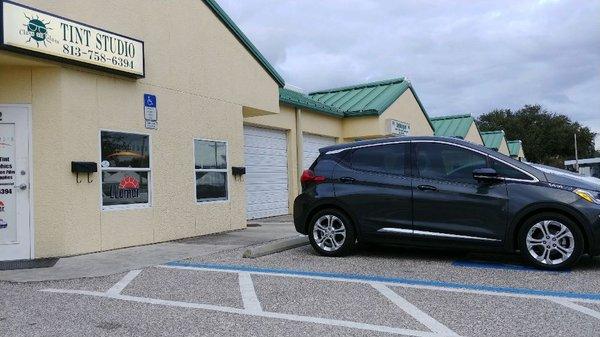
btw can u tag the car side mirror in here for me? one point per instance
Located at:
(485, 174)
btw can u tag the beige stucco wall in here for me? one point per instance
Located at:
(473, 135)
(405, 109)
(186, 46)
(521, 153)
(202, 83)
(503, 147)
(323, 125)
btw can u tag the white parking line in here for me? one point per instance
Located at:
(119, 286)
(412, 310)
(249, 298)
(577, 307)
(265, 314)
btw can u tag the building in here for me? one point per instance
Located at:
(495, 140)
(153, 97)
(157, 122)
(458, 126)
(279, 147)
(588, 167)
(515, 149)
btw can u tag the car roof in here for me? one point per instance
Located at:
(480, 148)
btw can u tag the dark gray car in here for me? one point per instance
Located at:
(433, 191)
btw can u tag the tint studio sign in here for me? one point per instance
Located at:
(35, 32)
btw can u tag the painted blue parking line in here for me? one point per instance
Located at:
(505, 266)
(396, 280)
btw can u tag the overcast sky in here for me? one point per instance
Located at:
(461, 56)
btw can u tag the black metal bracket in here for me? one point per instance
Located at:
(80, 181)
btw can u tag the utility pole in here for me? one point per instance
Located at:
(576, 158)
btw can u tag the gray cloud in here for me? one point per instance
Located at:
(461, 56)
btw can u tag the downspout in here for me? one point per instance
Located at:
(299, 149)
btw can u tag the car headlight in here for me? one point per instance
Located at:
(588, 195)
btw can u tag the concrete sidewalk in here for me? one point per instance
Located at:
(126, 259)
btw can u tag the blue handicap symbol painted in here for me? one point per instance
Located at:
(150, 100)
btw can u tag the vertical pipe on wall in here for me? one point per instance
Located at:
(299, 148)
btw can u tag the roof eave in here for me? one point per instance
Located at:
(421, 106)
(310, 107)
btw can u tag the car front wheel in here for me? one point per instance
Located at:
(551, 241)
(331, 233)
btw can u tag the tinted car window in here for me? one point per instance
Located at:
(389, 159)
(506, 171)
(447, 162)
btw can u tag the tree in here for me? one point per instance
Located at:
(547, 137)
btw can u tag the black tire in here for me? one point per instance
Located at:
(548, 241)
(349, 240)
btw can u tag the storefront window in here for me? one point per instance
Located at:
(125, 166)
(211, 170)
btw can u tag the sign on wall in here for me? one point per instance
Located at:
(398, 128)
(150, 111)
(31, 31)
(8, 209)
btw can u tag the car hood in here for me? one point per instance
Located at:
(567, 178)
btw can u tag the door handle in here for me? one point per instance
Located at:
(427, 188)
(347, 179)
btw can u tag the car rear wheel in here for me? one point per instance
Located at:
(551, 241)
(331, 233)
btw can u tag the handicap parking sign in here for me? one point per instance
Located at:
(150, 111)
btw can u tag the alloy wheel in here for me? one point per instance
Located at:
(550, 242)
(329, 233)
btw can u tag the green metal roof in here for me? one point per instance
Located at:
(237, 32)
(452, 126)
(365, 99)
(492, 139)
(514, 147)
(304, 101)
(368, 99)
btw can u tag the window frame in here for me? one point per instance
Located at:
(225, 170)
(132, 169)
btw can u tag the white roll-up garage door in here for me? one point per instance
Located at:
(312, 144)
(265, 153)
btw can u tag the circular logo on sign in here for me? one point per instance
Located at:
(37, 30)
(105, 163)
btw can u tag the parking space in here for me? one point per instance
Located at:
(373, 292)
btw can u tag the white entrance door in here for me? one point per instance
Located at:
(15, 231)
(311, 145)
(265, 152)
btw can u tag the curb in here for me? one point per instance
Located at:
(276, 247)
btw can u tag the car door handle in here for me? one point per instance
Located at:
(427, 188)
(347, 179)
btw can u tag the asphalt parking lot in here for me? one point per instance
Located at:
(376, 291)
